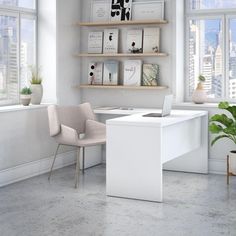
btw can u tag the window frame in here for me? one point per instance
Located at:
(19, 13)
(207, 14)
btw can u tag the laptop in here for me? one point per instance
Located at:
(166, 108)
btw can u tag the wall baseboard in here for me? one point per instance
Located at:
(217, 166)
(35, 168)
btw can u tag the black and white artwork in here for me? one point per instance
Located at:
(121, 10)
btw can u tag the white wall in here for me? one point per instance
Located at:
(24, 135)
(47, 42)
(68, 42)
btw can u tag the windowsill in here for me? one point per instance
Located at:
(194, 105)
(22, 108)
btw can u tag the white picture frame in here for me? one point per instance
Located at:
(100, 11)
(148, 10)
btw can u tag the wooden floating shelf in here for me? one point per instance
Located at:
(123, 55)
(136, 22)
(87, 86)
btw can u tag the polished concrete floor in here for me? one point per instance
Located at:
(200, 205)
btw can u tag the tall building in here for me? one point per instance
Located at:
(232, 88)
(207, 72)
(193, 56)
(218, 61)
(24, 65)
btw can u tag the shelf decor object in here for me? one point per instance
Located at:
(151, 40)
(148, 10)
(110, 73)
(150, 74)
(132, 72)
(95, 73)
(100, 10)
(110, 43)
(121, 10)
(95, 41)
(135, 41)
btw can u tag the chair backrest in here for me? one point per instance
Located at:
(72, 116)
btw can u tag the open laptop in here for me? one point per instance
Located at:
(166, 108)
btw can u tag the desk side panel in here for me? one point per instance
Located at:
(195, 161)
(134, 168)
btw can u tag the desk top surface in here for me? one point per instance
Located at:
(137, 119)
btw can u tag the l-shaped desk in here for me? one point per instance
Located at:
(138, 147)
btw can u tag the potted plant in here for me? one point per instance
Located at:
(224, 126)
(36, 85)
(199, 94)
(25, 96)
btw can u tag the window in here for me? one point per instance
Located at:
(17, 47)
(211, 47)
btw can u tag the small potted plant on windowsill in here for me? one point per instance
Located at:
(225, 127)
(199, 94)
(25, 96)
(36, 85)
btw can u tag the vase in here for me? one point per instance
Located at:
(199, 94)
(37, 93)
(25, 99)
(232, 162)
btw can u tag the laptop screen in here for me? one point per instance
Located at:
(167, 105)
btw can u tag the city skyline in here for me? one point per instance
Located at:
(206, 56)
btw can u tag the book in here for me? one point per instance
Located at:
(110, 44)
(121, 10)
(151, 74)
(132, 72)
(135, 41)
(151, 40)
(110, 75)
(95, 72)
(95, 40)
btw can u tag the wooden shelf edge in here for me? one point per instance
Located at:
(143, 22)
(86, 86)
(161, 54)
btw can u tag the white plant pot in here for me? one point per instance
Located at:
(199, 96)
(232, 162)
(25, 99)
(37, 93)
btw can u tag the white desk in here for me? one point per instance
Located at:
(137, 148)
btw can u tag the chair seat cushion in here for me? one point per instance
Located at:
(86, 142)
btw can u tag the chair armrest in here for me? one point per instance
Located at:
(68, 136)
(95, 129)
(54, 123)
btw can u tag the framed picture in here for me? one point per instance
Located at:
(120, 10)
(148, 10)
(100, 10)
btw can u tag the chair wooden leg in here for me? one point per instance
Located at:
(83, 160)
(55, 156)
(77, 169)
(227, 169)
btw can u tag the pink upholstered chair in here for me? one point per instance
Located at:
(66, 123)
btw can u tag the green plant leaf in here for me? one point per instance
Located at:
(232, 110)
(223, 119)
(230, 130)
(215, 129)
(223, 105)
(227, 107)
(220, 137)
